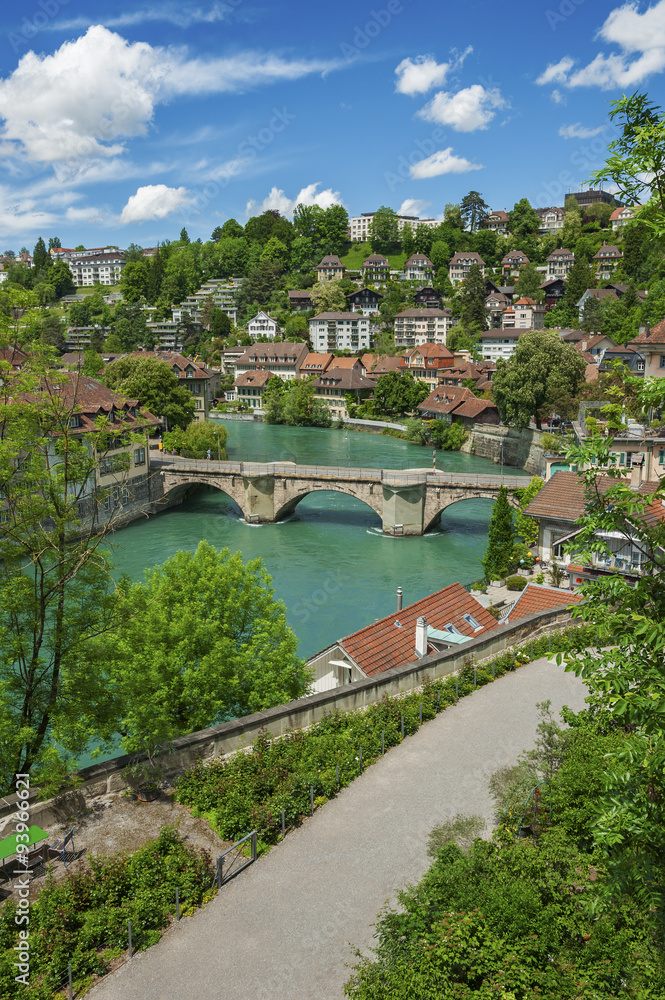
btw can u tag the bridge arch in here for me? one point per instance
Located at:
(435, 508)
(175, 488)
(297, 494)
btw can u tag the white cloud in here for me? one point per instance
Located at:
(413, 206)
(82, 101)
(637, 34)
(154, 201)
(417, 76)
(558, 97)
(182, 16)
(466, 111)
(442, 162)
(278, 201)
(578, 131)
(556, 72)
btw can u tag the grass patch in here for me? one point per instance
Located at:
(354, 258)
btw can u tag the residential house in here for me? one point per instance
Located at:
(558, 508)
(496, 304)
(480, 372)
(512, 263)
(444, 620)
(414, 327)
(536, 598)
(376, 365)
(554, 291)
(359, 225)
(607, 260)
(13, 355)
(337, 331)
(202, 382)
(348, 364)
(101, 268)
(284, 359)
(525, 314)
(330, 267)
(559, 264)
(221, 292)
(599, 294)
(443, 401)
(249, 388)
(365, 301)
(315, 365)
(595, 345)
(460, 263)
(477, 411)
(375, 270)
(336, 384)
(650, 342)
(427, 363)
(621, 216)
(498, 344)
(551, 219)
(263, 326)
(230, 358)
(300, 299)
(634, 359)
(418, 268)
(428, 298)
(497, 221)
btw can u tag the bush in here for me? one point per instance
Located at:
(516, 583)
(479, 585)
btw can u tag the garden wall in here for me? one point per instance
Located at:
(107, 777)
(520, 448)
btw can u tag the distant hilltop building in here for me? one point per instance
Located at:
(587, 198)
(359, 225)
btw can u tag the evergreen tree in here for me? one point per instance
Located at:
(155, 277)
(633, 264)
(184, 235)
(473, 209)
(473, 291)
(499, 557)
(54, 242)
(440, 256)
(580, 278)
(41, 258)
(408, 240)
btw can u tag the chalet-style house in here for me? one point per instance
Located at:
(330, 267)
(554, 290)
(428, 298)
(300, 299)
(461, 262)
(365, 301)
(375, 270)
(559, 264)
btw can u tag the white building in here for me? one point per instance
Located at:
(525, 314)
(223, 293)
(414, 327)
(359, 225)
(100, 268)
(263, 325)
(496, 344)
(338, 331)
(559, 264)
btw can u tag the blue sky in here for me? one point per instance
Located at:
(125, 126)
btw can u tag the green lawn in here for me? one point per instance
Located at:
(354, 258)
(90, 289)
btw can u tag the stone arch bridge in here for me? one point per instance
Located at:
(408, 502)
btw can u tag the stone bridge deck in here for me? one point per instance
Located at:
(408, 502)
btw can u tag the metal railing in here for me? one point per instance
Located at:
(237, 863)
(396, 477)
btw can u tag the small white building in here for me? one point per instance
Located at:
(496, 344)
(263, 325)
(338, 331)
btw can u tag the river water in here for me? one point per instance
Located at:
(330, 563)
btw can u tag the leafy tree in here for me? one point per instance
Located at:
(54, 243)
(527, 527)
(203, 640)
(197, 439)
(572, 227)
(55, 585)
(523, 219)
(61, 278)
(130, 326)
(634, 263)
(92, 363)
(472, 209)
(152, 382)
(304, 254)
(525, 386)
(301, 409)
(499, 559)
(384, 231)
(328, 296)
(275, 250)
(448, 437)
(422, 238)
(397, 394)
(217, 234)
(258, 286)
(233, 229)
(273, 400)
(262, 227)
(134, 280)
(52, 333)
(440, 256)
(452, 216)
(408, 240)
(472, 295)
(296, 326)
(220, 323)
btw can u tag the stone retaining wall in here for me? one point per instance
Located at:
(520, 448)
(218, 741)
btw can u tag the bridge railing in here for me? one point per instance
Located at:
(390, 477)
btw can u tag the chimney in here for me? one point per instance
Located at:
(399, 598)
(636, 474)
(421, 637)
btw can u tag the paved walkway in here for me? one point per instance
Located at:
(282, 928)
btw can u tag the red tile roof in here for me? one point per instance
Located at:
(535, 597)
(386, 644)
(472, 408)
(254, 378)
(656, 335)
(563, 496)
(446, 398)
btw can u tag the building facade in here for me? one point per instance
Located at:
(338, 331)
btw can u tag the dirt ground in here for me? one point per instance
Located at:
(121, 824)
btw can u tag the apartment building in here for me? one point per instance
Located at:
(333, 387)
(498, 344)
(461, 262)
(559, 264)
(525, 314)
(283, 359)
(428, 363)
(607, 260)
(338, 331)
(103, 268)
(414, 327)
(222, 292)
(359, 225)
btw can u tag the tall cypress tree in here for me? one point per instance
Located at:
(500, 553)
(473, 291)
(41, 258)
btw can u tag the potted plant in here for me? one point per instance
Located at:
(144, 775)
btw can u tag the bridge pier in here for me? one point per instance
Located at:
(404, 509)
(259, 499)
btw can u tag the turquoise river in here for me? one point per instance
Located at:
(330, 563)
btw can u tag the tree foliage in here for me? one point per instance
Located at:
(472, 209)
(499, 557)
(384, 231)
(154, 384)
(397, 394)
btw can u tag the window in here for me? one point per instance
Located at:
(470, 620)
(661, 362)
(75, 421)
(104, 466)
(139, 456)
(451, 628)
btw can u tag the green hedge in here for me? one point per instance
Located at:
(82, 918)
(249, 790)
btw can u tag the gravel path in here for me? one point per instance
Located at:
(282, 928)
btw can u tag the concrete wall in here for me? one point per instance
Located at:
(102, 779)
(520, 448)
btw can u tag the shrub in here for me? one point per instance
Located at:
(516, 583)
